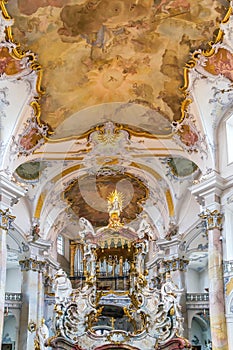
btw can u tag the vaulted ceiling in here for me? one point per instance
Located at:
(111, 94)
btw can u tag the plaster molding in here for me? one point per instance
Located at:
(9, 192)
(208, 192)
(52, 262)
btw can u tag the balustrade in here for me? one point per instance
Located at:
(197, 297)
(13, 297)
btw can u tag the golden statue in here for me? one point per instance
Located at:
(115, 204)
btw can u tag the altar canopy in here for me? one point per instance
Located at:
(113, 301)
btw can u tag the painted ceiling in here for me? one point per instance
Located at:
(88, 197)
(118, 104)
(116, 56)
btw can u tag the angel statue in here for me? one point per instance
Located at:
(145, 230)
(86, 227)
(90, 257)
(42, 333)
(142, 250)
(62, 286)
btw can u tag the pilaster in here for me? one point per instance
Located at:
(9, 195)
(32, 301)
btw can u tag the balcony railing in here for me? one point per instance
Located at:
(202, 297)
(13, 297)
(13, 300)
(197, 301)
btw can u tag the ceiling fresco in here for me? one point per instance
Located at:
(111, 101)
(30, 170)
(88, 195)
(9, 65)
(180, 167)
(96, 53)
(221, 63)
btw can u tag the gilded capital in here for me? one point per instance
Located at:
(212, 219)
(6, 219)
(32, 264)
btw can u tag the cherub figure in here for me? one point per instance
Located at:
(86, 227)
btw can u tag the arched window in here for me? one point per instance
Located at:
(60, 245)
(229, 129)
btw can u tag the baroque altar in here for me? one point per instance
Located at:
(113, 304)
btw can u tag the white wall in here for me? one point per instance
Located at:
(224, 159)
(228, 233)
(197, 281)
(192, 281)
(13, 280)
(203, 281)
(189, 212)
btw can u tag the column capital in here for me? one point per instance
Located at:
(212, 219)
(176, 264)
(32, 264)
(6, 219)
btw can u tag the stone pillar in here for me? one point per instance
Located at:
(213, 224)
(5, 221)
(33, 301)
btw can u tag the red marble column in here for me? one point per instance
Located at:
(213, 222)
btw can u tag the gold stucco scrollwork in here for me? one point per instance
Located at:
(6, 219)
(32, 326)
(212, 219)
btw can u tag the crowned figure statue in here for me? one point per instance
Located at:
(115, 204)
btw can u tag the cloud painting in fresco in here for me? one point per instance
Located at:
(104, 52)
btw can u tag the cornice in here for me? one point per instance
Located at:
(9, 192)
(40, 244)
(213, 184)
(52, 262)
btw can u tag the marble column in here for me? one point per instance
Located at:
(5, 221)
(33, 301)
(213, 224)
